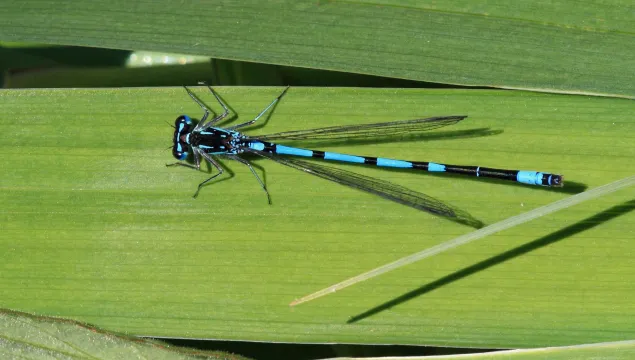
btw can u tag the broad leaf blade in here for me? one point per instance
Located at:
(95, 227)
(562, 47)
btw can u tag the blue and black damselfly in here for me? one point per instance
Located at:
(210, 142)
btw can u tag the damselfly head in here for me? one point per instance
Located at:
(182, 128)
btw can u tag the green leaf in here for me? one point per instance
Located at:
(26, 336)
(559, 47)
(96, 228)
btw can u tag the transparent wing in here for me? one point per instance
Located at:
(405, 127)
(377, 187)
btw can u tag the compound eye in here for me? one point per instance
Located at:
(182, 120)
(179, 155)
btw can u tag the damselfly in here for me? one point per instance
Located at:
(206, 141)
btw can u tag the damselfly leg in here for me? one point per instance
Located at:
(197, 162)
(204, 123)
(243, 161)
(216, 165)
(250, 122)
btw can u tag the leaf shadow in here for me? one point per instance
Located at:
(549, 239)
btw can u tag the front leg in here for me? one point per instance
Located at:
(197, 160)
(197, 166)
(216, 165)
(205, 109)
(204, 124)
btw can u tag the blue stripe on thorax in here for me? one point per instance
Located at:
(256, 145)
